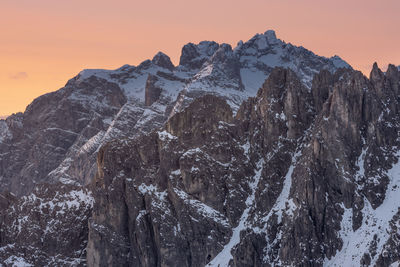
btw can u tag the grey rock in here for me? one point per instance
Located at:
(292, 182)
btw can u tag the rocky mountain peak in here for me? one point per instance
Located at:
(271, 35)
(222, 54)
(376, 73)
(339, 62)
(162, 60)
(392, 70)
(193, 56)
(385, 84)
(266, 40)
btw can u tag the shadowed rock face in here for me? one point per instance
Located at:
(153, 92)
(297, 178)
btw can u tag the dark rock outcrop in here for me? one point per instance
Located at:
(152, 93)
(162, 60)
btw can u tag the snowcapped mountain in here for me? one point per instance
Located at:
(260, 155)
(59, 134)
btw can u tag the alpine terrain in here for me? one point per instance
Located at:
(260, 155)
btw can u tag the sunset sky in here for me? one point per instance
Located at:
(43, 43)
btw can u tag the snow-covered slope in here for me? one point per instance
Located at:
(375, 229)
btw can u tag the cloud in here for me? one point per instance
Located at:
(18, 75)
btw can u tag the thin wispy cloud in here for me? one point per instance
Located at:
(18, 75)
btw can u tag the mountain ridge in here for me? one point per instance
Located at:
(147, 95)
(235, 156)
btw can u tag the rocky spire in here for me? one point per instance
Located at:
(152, 91)
(376, 72)
(162, 60)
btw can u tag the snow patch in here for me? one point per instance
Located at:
(16, 262)
(165, 136)
(153, 190)
(375, 222)
(223, 258)
(202, 209)
(92, 144)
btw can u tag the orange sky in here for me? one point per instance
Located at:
(43, 43)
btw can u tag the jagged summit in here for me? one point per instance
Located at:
(270, 34)
(339, 62)
(162, 60)
(376, 72)
(193, 56)
(251, 62)
(146, 95)
(265, 40)
(211, 138)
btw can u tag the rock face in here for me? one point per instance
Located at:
(296, 178)
(57, 139)
(154, 197)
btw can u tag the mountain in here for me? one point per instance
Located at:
(58, 136)
(235, 155)
(286, 181)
